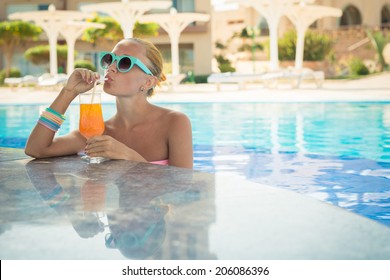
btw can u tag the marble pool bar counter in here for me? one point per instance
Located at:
(64, 208)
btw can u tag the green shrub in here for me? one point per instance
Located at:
(41, 55)
(14, 73)
(84, 64)
(224, 64)
(251, 47)
(201, 79)
(357, 67)
(197, 79)
(317, 46)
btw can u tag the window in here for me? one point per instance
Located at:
(351, 16)
(385, 15)
(184, 5)
(263, 26)
(22, 8)
(186, 57)
(43, 7)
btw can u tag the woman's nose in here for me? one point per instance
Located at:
(112, 67)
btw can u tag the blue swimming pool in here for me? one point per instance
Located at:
(336, 152)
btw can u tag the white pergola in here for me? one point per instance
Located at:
(52, 22)
(71, 32)
(302, 16)
(126, 12)
(272, 10)
(174, 23)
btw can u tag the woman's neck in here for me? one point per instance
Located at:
(132, 110)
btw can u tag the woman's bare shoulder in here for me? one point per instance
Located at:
(172, 116)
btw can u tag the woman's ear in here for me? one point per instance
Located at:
(151, 82)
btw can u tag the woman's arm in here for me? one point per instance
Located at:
(41, 142)
(180, 141)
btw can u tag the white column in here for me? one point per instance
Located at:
(70, 59)
(273, 24)
(174, 29)
(175, 54)
(300, 48)
(53, 54)
(71, 33)
(52, 30)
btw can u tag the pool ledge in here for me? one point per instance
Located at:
(130, 210)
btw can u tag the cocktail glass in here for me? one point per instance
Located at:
(91, 119)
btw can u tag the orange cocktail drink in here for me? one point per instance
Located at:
(91, 120)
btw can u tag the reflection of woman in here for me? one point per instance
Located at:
(138, 228)
(66, 201)
(136, 232)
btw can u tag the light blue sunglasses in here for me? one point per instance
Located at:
(124, 62)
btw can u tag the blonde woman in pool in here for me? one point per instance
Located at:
(139, 131)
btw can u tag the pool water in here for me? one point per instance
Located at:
(336, 152)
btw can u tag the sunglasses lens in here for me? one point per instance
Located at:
(124, 64)
(106, 60)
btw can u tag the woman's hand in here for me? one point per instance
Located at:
(108, 147)
(81, 80)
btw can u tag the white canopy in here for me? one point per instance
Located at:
(52, 22)
(303, 16)
(272, 10)
(174, 23)
(126, 12)
(71, 32)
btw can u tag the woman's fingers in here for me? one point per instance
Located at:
(97, 144)
(105, 146)
(89, 76)
(81, 80)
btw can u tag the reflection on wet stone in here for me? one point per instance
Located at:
(141, 216)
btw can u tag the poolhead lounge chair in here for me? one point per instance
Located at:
(22, 81)
(46, 80)
(294, 76)
(237, 78)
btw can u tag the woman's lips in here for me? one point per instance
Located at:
(107, 79)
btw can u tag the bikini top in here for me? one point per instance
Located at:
(161, 162)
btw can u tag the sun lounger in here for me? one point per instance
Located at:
(317, 76)
(237, 78)
(294, 76)
(22, 81)
(46, 80)
(269, 79)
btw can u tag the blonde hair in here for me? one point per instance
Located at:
(156, 61)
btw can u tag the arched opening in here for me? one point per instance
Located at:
(385, 15)
(263, 26)
(351, 16)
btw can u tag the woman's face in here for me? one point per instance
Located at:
(123, 84)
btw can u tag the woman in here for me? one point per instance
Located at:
(139, 131)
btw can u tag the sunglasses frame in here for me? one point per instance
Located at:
(117, 58)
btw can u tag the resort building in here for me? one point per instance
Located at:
(197, 43)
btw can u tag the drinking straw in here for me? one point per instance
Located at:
(101, 80)
(93, 91)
